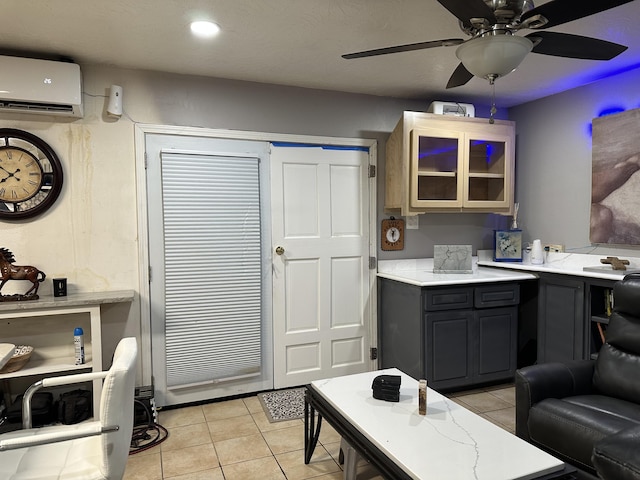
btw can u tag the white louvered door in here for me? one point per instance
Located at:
(209, 301)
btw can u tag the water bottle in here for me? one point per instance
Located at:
(78, 343)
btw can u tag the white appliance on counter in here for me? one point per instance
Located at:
(452, 108)
(537, 254)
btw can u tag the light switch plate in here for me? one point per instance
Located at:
(411, 223)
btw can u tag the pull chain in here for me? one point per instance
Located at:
(493, 99)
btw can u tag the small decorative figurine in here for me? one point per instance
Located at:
(8, 271)
(615, 262)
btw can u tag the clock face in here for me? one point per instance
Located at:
(21, 173)
(30, 175)
(393, 235)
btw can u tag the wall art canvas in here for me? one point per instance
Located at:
(615, 180)
(507, 245)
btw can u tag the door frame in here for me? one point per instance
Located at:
(140, 132)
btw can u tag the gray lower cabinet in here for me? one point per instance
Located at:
(561, 318)
(567, 309)
(449, 340)
(497, 329)
(452, 336)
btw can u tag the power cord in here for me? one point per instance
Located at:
(148, 435)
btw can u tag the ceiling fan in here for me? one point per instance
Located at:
(494, 49)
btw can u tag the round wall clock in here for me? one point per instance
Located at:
(392, 234)
(30, 175)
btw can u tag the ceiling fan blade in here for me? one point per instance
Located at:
(459, 77)
(465, 10)
(405, 48)
(574, 46)
(558, 12)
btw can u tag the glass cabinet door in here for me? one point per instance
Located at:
(487, 183)
(436, 168)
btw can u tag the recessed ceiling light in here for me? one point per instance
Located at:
(204, 29)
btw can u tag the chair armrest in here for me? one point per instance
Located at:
(53, 382)
(549, 380)
(42, 436)
(70, 379)
(616, 456)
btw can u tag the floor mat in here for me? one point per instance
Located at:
(281, 405)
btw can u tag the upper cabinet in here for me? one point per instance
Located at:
(437, 163)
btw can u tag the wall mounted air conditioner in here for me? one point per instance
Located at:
(45, 87)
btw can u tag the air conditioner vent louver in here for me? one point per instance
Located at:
(36, 107)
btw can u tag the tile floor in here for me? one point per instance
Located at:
(233, 440)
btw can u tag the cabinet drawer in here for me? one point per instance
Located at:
(448, 299)
(498, 295)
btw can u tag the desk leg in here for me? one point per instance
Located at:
(311, 430)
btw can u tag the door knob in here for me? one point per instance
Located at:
(279, 250)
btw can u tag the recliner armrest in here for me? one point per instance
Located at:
(549, 380)
(615, 457)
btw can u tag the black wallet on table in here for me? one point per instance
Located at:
(386, 387)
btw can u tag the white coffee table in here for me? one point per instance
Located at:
(449, 442)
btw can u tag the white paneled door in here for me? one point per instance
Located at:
(322, 282)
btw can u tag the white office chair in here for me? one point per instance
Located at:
(93, 450)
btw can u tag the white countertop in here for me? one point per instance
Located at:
(72, 300)
(448, 442)
(563, 263)
(420, 272)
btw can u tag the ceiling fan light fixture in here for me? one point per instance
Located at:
(493, 56)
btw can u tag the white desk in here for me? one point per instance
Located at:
(53, 348)
(449, 442)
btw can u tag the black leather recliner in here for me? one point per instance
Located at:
(587, 413)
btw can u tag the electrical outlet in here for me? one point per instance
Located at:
(412, 222)
(554, 247)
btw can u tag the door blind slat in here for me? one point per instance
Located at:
(212, 244)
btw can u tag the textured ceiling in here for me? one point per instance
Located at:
(300, 42)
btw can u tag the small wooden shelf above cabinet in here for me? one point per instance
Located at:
(440, 163)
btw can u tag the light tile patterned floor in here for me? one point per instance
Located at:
(233, 440)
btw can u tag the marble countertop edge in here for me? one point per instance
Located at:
(72, 300)
(561, 263)
(419, 272)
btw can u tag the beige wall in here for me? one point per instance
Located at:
(89, 235)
